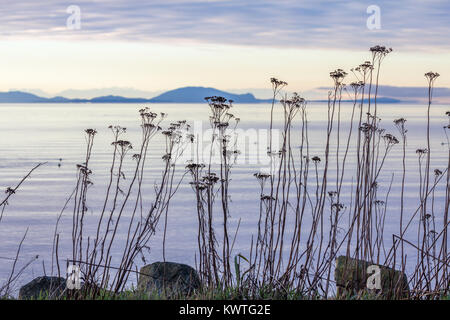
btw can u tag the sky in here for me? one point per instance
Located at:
(81, 48)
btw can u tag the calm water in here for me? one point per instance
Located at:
(33, 133)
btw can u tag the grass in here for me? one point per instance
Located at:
(231, 294)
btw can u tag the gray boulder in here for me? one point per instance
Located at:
(351, 278)
(48, 287)
(168, 278)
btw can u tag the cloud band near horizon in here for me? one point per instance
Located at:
(413, 24)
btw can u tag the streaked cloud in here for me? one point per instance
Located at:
(413, 24)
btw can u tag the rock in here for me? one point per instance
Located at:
(351, 278)
(172, 279)
(48, 287)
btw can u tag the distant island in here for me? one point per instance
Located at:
(379, 100)
(180, 95)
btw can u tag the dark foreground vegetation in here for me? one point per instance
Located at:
(289, 258)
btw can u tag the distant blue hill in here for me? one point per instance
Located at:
(117, 99)
(25, 97)
(20, 97)
(198, 94)
(180, 95)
